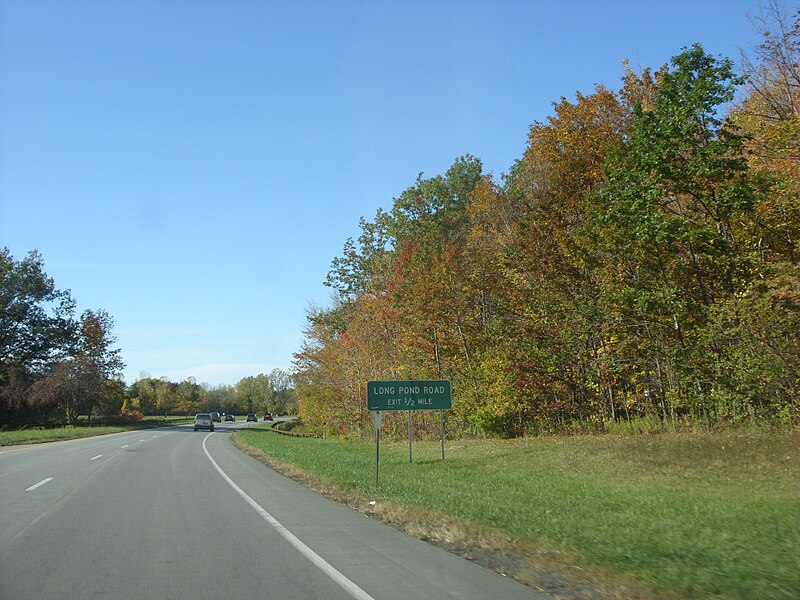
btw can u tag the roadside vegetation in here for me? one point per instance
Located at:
(36, 435)
(639, 261)
(267, 392)
(693, 515)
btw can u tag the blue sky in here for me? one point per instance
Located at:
(192, 167)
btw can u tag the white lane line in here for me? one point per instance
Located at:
(96, 457)
(125, 446)
(142, 440)
(38, 485)
(324, 566)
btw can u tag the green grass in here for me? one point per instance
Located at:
(690, 515)
(36, 436)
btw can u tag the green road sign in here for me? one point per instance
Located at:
(409, 395)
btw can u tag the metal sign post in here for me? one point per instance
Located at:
(377, 419)
(410, 454)
(441, 429)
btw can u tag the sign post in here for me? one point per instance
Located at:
(377, 418)
(410, 437)
(410, 396)
(441, 428)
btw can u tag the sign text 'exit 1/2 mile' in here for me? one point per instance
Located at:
(409, 395)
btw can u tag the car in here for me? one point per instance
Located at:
(203, 421)
(230, 417)
(215, 417)
(252, 417)
(268, 416)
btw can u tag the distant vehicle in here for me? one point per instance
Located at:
(215, 417)
(268, 416)
(252, 417)
(203, 421)
(230, 417)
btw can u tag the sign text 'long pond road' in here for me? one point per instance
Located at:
(409, 395)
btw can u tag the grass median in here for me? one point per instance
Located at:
(671, 515)
(70, 432)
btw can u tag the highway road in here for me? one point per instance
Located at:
(171, 514)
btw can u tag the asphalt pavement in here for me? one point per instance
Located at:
(171, 513)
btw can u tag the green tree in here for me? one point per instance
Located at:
(37, 322)
(112, 397)
(251, 393)
(37, 326)
(166, 400)
(676, 188)
(143, 392)
(187, 397)
(281, 386)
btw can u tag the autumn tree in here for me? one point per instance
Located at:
(550, 267)
(770, 116)
(95, 357)
(79, 382)
(325, 395)
(755, 331)
(61, 388)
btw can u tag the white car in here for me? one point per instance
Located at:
(203, 421)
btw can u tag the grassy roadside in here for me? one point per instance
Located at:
(36, 436)
(684, 515)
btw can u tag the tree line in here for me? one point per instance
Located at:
(57, 367)
(272, 392)
(638, 264)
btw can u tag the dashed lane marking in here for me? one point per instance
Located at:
(38, 485)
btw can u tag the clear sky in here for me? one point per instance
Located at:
(192, 167)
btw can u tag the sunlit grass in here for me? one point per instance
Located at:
(69, 432)
(698, 515)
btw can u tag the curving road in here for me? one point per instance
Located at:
(171, 514)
